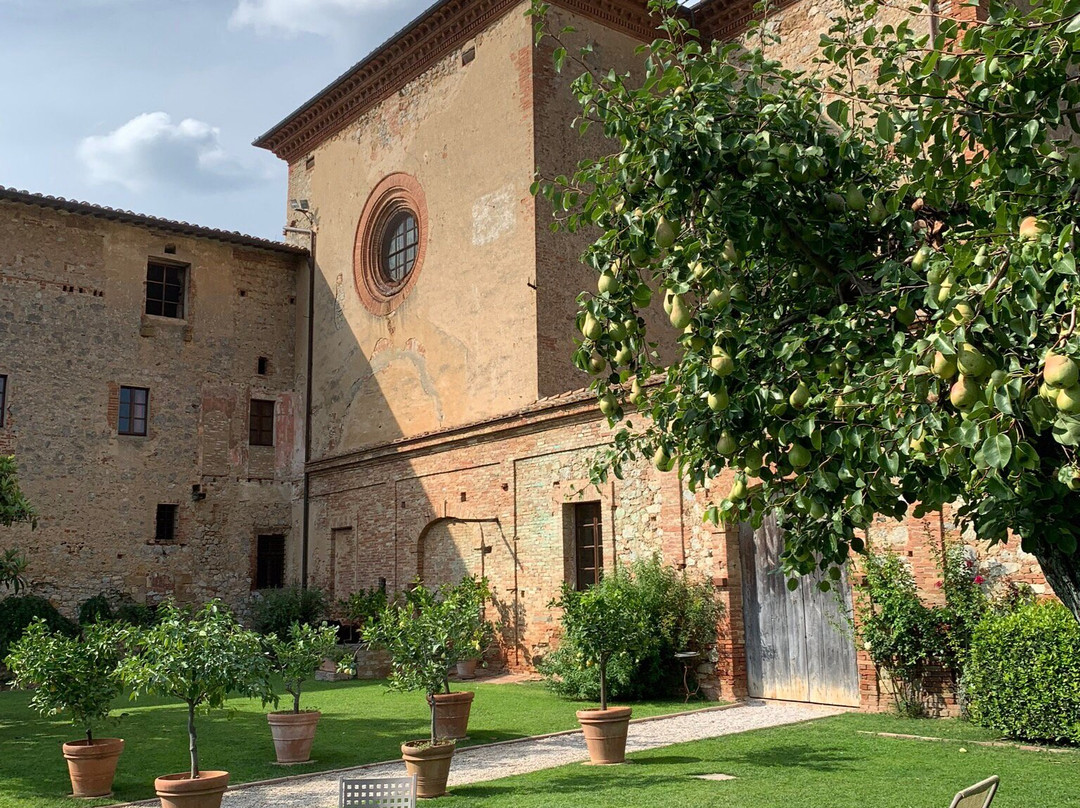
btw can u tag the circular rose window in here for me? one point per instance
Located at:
(390, 241)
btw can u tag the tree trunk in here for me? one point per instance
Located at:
(603, 684)
(1062, 572)
(431, 703)
(89, 736)
(296, 701)
(192, 747)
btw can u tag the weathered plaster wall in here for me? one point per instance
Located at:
(73, 331)
(460, 346)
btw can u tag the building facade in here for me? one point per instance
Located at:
(136, 355)
(446, 432)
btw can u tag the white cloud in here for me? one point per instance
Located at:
(150, 151)
(291, 17)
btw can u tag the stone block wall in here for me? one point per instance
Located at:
(74, 331)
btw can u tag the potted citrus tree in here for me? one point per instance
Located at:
(199, 657)
(76, 677)
(474, 634)
(295, 659)
(419, 637)
(604, 622)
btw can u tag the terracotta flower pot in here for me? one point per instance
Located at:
(466, 669)
(452, 714)
(605, 733)
(293, 735)
(92, 766)
(180, 791)
(430, 764)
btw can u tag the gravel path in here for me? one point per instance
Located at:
(489, 762)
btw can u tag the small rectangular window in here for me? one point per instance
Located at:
(165, 529)
(261, 423)
(165, 285)
(588, 544)
(270, 562)
(134, 408)
(3, 398)
(263, 365)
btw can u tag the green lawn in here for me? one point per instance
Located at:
(361, 723)
(822, 764)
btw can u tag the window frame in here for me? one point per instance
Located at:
(403, 224)
(396, 195)
(174, 524)
(263, 559)
(130, 432)
(588, 516)
(161, 301)
(257, 432)
(3, 399)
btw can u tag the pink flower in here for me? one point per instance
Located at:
(979, 579)
(939, 584)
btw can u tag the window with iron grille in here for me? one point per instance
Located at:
(165, 527)
(261, 423)
(588, 544)
(134, 408)
(3, 398)
(165, 289)
(270, 562)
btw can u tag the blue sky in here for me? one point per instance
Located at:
(151, 105)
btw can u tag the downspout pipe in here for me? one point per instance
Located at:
(305, 535)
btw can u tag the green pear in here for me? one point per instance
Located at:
(971, 362)
(1060, 371)
(630, 326)
(1068, 400)
(700, 271)
(636, 186)
(834, 203)
(608, 284)
(726, 444)
(719, 401)
(679, 315)
(721, 363)
(945, 291)
(918, 261)
(754, 459)
(878, 212)
(964, 393)
(800, 396)
(609, 405)
(662, 460)
(624, 356)
(944, 367)
(738, 490)
(738, 292)
(617, 332)
(597, 364)
(663, 180)
(817, 510)
(935, 275)
(669, 296)
(718, 298)
(855, 198)
(637, 395)
(591, 327)
(729, 253)
(798, 456)
(666, 234)
(905, 316)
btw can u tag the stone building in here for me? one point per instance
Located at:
(446, 431)
(135, 353)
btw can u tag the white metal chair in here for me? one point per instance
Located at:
(379, 792)
(979, 795)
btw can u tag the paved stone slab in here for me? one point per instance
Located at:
(482, 763)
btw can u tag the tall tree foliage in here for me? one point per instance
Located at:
(869, 266)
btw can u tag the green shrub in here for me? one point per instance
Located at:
(679, 613)
(362, 607)
(19, 611)
(1023, 674)
(275, 610)
(105, 607)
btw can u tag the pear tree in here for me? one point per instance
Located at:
(868, 266)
